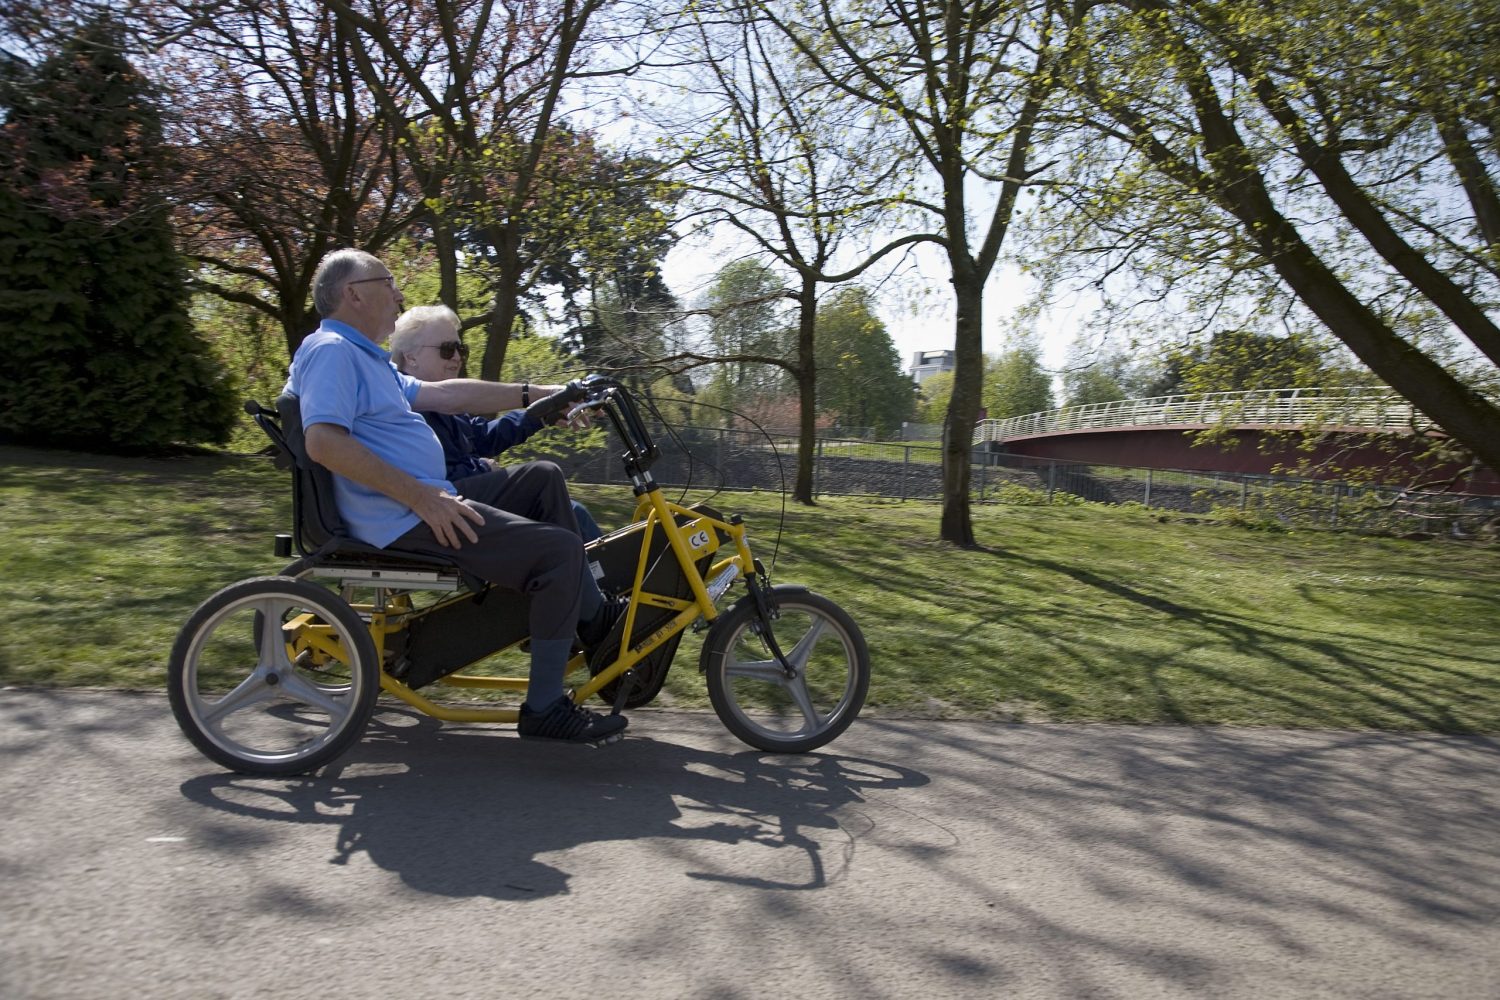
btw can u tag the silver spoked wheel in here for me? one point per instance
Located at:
(273, 676)
(752, 692)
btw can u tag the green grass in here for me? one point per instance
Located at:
(1064, 613)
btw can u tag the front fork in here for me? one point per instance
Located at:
(767, 610)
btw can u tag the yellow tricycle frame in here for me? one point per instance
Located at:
(696, 536)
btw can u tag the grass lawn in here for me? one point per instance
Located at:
(1064, 613)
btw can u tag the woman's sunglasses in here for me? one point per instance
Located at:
(447, 350)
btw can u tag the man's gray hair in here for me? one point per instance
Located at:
(333, 271)
(416, 321)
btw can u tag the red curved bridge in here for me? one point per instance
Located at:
(1160, 433)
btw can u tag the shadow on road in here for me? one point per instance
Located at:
(460, 812)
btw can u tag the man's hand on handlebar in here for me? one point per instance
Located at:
(561, 407)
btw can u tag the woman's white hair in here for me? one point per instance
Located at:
(415, 322)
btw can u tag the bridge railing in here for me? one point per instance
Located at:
(1353, 406)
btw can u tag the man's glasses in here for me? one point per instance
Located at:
(449, 348)
(383, 277)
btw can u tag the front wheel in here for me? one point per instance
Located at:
(273, 676)
(751, 691)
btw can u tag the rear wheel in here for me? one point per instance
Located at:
(273, 676)
(752, 692)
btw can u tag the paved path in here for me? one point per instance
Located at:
(915, 859)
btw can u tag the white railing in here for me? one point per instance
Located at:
(1357, 407)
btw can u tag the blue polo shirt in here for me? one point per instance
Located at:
(342, 378)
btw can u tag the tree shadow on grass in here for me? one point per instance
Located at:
(1322, 658)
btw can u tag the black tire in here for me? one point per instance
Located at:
(277, 716)
(750, 691)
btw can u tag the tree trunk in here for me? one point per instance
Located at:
(295, 321)
(807, 390)
(1472, 175)
(447, 262)
(502, 317)
(963, 407)
(1458, 409)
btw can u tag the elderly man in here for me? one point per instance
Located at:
(513, 526)
(427, 347)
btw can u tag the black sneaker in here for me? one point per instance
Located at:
(563, 720)
(595, 631)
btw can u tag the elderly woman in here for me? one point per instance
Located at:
(426, 345)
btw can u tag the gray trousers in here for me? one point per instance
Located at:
(529, 542)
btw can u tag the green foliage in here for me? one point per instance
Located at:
(749, 316)
(1029, 496)
(103, 354)
(1103, 375)
(542, 360)
(933, 396)
(1237, 361)
(249, 345)
(1256, 516)
(1015, 383)
(1282, 166)
(859, 373)
(617, 234)
(1094, 384)
(595, 227)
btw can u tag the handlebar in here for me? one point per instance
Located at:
(603, 392)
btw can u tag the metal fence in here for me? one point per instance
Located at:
(1361, 407)
(714, 458)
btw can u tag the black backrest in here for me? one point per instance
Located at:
(315, 515)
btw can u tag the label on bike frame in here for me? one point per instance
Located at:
(701, 539)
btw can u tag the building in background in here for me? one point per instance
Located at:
(928, 363)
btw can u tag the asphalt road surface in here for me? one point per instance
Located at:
(910, 859)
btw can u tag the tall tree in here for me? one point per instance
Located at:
(1243, 120)
(772, 153)
(933, 397)
(286, 156)
(93, 297)
(489, 79)
(860, 380)
(967, 82)
(1104, 373)
(1015, 383)
(1241, 361)
(748, 318)
(281, 154)
(601, 244)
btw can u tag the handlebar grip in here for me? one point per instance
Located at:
(549, 408)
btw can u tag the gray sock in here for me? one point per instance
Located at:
(549, 663)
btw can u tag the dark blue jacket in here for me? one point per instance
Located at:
(468, 440)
